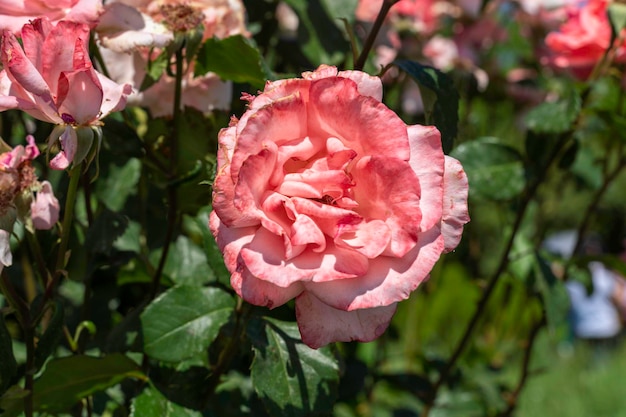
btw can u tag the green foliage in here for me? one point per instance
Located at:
(152, 403)
(234, 58)
(184, 321)
(67, 380)
(319, 36)
(291, 378)
(495, 170)
(144, 281)
(555, 116)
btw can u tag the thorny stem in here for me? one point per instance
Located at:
(172, 214)
(68, 216)
(595, 201)
(371, 37)
(35, 249)
(493, 280)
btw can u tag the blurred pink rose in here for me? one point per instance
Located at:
(19, 191)
(16, 13)
(582, 39)
(324, 194)
(423, 14)
(127, 24)
(52, 78)
(129, 28)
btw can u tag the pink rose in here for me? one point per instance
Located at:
(16, 13)
(44, 210)
(423, 14)
(18, 184)
(582, 39)
(128, 28)
(52, 78)
(324, 194)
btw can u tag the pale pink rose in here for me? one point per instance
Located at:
(18, 184)
(325, 195)
(16, 13)
(44, 210)
(582, 39)
(123, 28)
(127, 24)
(52, 78)
(205, 93)
(128, 28)
(442, 52)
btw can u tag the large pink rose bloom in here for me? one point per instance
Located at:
(582, 39)
(51, 77)
(16, 13)
(323, 194)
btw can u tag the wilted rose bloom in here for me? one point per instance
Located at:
(16, 13)
(52, 78)
(128, 29)
(324, 194)
(22, 196)
(582, 39)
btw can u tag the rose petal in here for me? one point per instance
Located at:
(57, 56)
(387, 189)
(455, 211)
(337, 109)
(265, 258)
(230, 240)
(427, 161)
(367, 85)
(388, 279)
(263, 293)
(321, 324)
(80, 96)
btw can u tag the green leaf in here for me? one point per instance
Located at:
(617, 17)
(290, 378)
(130, 240)
(445, 110)
(68, 380)
(184, 321)
(12, 401)
(119, 184)
(51, 337)
(556, 116)
(152, 403)
(155, 69)
(8, 365)
(319, 36)
(235, 58)
(104, 231)
(186, 264)
(495, 170)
